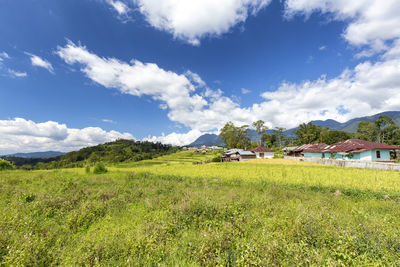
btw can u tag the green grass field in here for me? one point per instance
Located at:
(168, 211)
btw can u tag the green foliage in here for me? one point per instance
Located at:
(332, 155)
(261, 128)
(367, 131)
(5, 165)
(280, 138)
(235, 137)
(217, 158)
(113, 152)
(308, 133)
(99, 168)
(87, 169)
(332, 137)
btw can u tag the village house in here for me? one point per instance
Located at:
(299, 151)
(238, 155)
(263, 152)
(352, 149)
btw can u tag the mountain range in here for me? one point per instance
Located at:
(348, 126)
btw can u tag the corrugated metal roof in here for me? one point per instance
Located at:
(246, 153)
(261, 149)
(310, 147)
(353, 145)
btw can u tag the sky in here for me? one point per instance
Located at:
(78, 73)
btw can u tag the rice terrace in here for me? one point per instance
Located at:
(168, 211)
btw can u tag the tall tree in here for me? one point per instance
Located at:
(386, 128)
(278, 131)
(261, 128)
(367, 131)
(235, 137)
(308, 133)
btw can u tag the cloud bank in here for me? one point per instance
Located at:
(21, 135)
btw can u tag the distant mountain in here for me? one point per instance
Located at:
(42, 155)
(349, 126)
(207, 140)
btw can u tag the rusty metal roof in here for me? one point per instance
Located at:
(261, 149)
(353, 145)
(309, 147)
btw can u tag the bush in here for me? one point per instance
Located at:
(87, 169)
(217, 158)
(5, 165)
(99, 168)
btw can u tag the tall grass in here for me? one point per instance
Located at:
(172, 213)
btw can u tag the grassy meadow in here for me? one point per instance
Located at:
(170, 212)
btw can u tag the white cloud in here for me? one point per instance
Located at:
(17, 74)
(108, 121)
(120, 7)
(21, 135)
(192, 20)
(4, 55)
(177, 92)
(371, 22)
(323, 47)
(39, 62)
(245, 91)
(177, 139)
(368, 88)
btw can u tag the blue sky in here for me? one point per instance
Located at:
(81, 72)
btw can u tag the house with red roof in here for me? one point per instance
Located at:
(263, 152)
(352, 149)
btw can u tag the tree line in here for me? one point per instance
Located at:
(383, 130)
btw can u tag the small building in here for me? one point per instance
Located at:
(299, 151)
(263, 152)
(353, 149)
(288, 150)
(238, 155)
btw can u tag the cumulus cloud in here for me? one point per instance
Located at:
(21, 135)
(372, 22)
(369, 88)
(119, 6)
(40, 62)
(177, 139)
(191, 20)
(177, 92)
(17, 74)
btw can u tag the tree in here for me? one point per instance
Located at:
(308, 133)
(5, 165)
(278, 131)
(235, 137)
(332, 137)
(385, 125)
(261, 128)
(388, 131)
(367, 131)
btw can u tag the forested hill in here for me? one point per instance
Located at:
(112, 152)
(118, 151)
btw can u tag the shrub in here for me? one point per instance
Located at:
(5, 165)
(217, 158)
(99, 168)
(87, 169)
